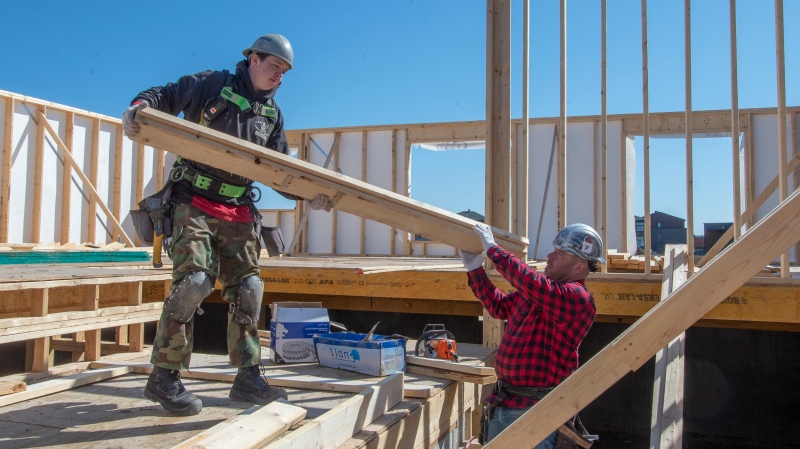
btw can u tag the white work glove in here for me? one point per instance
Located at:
(321, 202)
(485, 233)
(470, 260)
(129, 125)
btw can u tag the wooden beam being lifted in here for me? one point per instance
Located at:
(286, 174)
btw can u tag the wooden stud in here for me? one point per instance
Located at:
(595, 209)
(666, 422)
(498, 124)
(139, 177)
(117, 182)
(135, 331)
(524, 147)
(623, 175)
(646, 138)
(562, 122)
(42, 356)
(66, 180)
(514, 175)
(334, 213)
(604, 134)
(687, 26)
(91, 221)
(363, 237)
(91, 302)
(737, 194)
(406, 188)
(783, 186)
(5, 187)
(796, 171)
(492, 331)
(38, 173)
(750, 166)
(393, 231)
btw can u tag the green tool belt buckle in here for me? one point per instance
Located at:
(202, 182)
(231, 191)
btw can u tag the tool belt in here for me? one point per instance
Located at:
(573, 435)
(505, 390)
(154, 215)
(204, 183)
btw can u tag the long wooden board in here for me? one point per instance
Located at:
(672, 316)
(297, 177)
(342, 422)
(293, 380)
(63, 383)
(254, 427)
(28, 328)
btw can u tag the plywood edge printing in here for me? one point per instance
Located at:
(300, 178)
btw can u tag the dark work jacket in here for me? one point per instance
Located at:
(192, 94)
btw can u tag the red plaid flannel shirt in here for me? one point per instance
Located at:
(547, 320)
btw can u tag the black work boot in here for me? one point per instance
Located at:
(164, 386)
(249, 386)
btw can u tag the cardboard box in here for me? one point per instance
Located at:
(346, 350)
(292, 329)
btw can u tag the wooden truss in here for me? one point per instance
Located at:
(307, 180)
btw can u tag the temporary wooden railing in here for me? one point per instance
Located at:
(42, 312)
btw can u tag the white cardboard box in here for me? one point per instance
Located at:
(292, 329)
(381, 356)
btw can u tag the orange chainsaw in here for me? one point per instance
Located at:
(437, 343)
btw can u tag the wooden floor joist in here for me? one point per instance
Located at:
(297, 177)
(673, 315)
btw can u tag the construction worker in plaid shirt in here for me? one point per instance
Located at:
(548, 315)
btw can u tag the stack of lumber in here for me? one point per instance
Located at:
(625, 262)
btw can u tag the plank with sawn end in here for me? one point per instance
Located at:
(8, 387)
(297, 177)
(251, 428)
(342, 422)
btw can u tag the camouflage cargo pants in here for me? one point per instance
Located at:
(224, 250)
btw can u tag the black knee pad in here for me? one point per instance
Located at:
(187, 295)
(246, 305)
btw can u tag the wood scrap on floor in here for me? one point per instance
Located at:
(64, 383)
(251, 428)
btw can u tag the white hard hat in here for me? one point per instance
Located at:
(582, 241)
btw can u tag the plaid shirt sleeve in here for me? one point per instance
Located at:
(546, 322)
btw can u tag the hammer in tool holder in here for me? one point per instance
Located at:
(158, 209)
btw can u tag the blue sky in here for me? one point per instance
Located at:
(377, 62)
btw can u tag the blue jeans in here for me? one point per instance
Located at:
(502, 417)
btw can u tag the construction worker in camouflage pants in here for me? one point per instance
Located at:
(215, 222)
